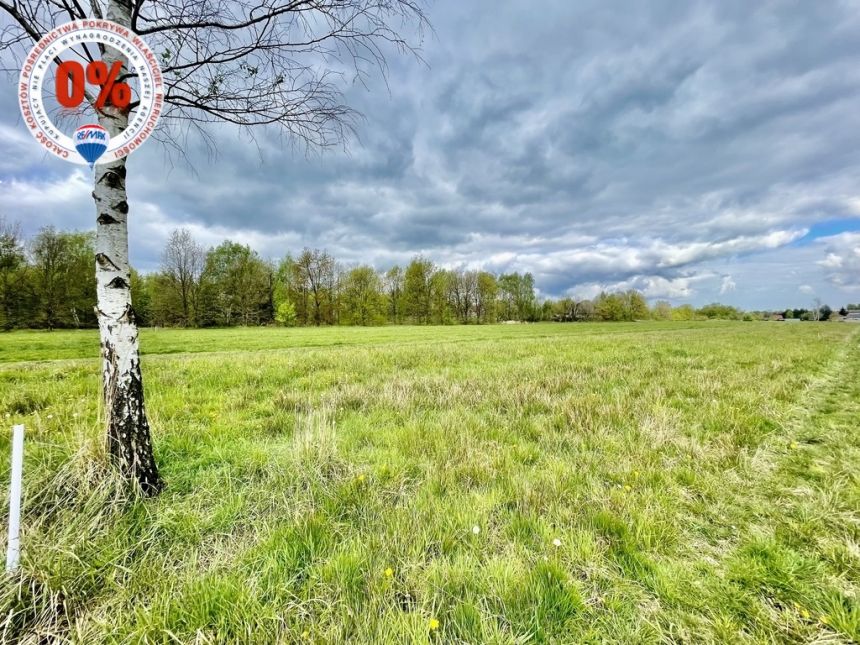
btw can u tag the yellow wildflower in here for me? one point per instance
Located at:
(389, 572)
(433, 624)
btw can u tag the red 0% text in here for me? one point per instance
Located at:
(71, 83)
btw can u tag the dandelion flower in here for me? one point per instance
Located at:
(433, 624)
(476, 529)
(306, 634)
(636, 474)
(361, 477)
(389, 572)
(627, 488)
(793, 445)
(804, 614)
(556, 542)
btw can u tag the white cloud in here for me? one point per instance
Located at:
(728, 285)
(842, 261)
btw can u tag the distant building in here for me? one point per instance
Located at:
(853, 315)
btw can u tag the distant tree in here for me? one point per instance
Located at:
(234, 285)
(363, 300)
(684, 312)
(609, 307)
(393, 284)
(562, 310)
(719, 311)
(82, 284)
(462, 290)
(843, 312)
(290, 285)
(583, 310)
(662, 310)
(486, 293)
(315, 273)
(182, 265)
(417, 290)
(635, 305)
(165, 308)
(517, 296)
(142, 297)
(285, 313)
(442, 283)
(825, 312)
(62, 277)
(546, 309)
(14, 285)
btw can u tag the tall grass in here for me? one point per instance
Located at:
(544, 483)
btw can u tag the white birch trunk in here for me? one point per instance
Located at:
(128, 438)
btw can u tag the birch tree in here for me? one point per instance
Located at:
(246, 62)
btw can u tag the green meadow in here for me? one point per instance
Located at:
(548, 483)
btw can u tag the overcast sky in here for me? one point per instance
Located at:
(694, 151)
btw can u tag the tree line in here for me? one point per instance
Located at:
(48, 282)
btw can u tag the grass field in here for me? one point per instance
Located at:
(625, 483)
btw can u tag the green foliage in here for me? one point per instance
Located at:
(662, 310)
(629, 305)
(684, 312)
(236, 287)
(285, 314)
(15, 286)
(393, 284)
(310, 281)
(232, 285)
(418, 290)
(141, 299)
(362, 300)
(63, 277)
(632, 482)
(486, 303)
(517, 297)
(718, 311)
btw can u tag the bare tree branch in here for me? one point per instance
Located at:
(281, 63)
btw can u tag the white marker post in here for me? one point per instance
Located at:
(13, 554)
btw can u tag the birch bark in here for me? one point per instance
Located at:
(128, 436)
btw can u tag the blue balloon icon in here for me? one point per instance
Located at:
(91, 141)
